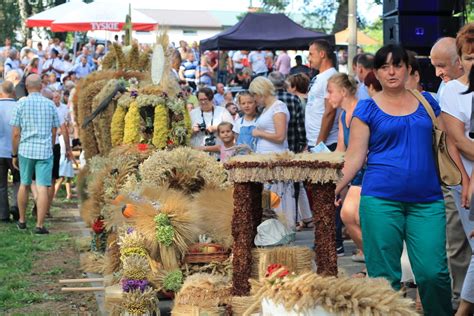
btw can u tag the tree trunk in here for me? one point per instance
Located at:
(23, 17)
(341, 16)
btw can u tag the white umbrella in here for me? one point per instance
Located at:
(107, 16)
(45, 18)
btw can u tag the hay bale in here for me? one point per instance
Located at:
(297, 259)
(92, 262)
(189, 310)
(204, 291)
(240, 304)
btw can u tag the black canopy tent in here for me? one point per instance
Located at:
(264, 31)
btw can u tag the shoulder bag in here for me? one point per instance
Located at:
(449, 174)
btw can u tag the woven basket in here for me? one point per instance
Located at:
(194, 256)
(189, 310)
(296, 259)
(240, 304)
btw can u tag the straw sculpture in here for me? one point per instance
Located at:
(112, 254)
(204, 291)
(167, 224)
(240, 304)
(102, 123)
(297, 259)
(342, 296)
(214, 209)
(183, 169)
(223, 268)
(92, 262)
(316, 168)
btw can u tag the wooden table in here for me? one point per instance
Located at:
(248, 173)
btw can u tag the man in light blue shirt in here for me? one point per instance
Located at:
(35, 121)
(219, 95)
(82, 69)
(7, 105)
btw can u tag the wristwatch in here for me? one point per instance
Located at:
(14, 156)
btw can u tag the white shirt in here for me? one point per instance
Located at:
(237, 59)
(458, 105)
(265, 123)
(56, 62)
(315, 109)
(257, 60)
(220, 115)
(63, 115)
(6, 111)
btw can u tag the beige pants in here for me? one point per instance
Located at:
(457, 246)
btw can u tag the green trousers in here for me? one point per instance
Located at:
(385, 224)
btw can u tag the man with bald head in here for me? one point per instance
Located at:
(34, 122)
(445, 59)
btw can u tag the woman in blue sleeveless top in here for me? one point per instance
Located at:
(342, 90)
(401, 197)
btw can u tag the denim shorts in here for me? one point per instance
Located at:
(42, 168)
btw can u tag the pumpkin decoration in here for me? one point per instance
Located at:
(128, 210)
(118, 200)
(274, 200)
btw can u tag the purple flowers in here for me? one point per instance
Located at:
(130, 230)
(134, 93)
(131, 285)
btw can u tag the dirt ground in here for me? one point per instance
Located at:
(60, 264)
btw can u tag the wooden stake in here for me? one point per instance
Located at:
(82, 289)
(80, 280)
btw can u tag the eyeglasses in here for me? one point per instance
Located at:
(203, 100)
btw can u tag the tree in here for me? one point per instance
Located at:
(9, 20)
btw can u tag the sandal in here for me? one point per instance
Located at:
(304, 225)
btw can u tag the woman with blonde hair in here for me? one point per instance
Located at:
(271, 133)
(342, 90)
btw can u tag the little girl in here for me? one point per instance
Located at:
(226, 135)
(226, 147)
(244, 126)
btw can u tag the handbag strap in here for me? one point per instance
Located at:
(426, 105)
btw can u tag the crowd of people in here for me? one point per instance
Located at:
(406, 225)
(390, 199)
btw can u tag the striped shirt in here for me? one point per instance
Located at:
(35, 116)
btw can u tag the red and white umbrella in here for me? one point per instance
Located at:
(106, 16)
(45, 18)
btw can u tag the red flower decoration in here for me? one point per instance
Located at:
(142, 147)
(272, 268)
(98, 226)
(169, 142)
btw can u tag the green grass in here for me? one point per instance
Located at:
(18, 252)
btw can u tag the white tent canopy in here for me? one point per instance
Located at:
(45, 18)
(103, 15)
